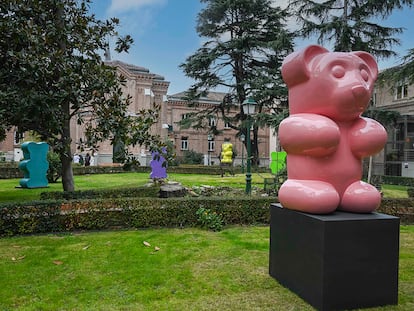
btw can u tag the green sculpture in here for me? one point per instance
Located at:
(277, 161)
(35, 165)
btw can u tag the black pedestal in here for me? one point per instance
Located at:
(337, 261)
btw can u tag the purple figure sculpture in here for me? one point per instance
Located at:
(158, 165)
(325, 136)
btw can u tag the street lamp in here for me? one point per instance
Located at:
(242, 139)
(249, 106)
(210, 138)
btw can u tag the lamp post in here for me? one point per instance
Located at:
(242, 139)
(209, 138)
(249, 106)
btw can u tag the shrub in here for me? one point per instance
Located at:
(209, 220)
(397, 180)
(110, 213)
(192, 157)
(58, 215)
(131, 164)
(152, 191)
(55, 167)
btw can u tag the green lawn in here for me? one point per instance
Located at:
(182, 269)
(9, 192)
(394, 191)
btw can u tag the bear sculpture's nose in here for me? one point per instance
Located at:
(360, 92)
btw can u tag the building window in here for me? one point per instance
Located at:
(212, 121)
(185, 116)
(401, 91)
(211, 145)
(184, 143)
(18, 137)
(226, 124)
(374, 99)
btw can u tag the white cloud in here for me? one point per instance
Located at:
(118, 6)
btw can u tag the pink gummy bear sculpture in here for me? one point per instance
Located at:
(325, 136)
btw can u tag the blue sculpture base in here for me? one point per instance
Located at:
(337, 261)
(20, 187)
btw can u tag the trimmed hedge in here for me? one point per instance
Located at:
(397, 180)
(12, 170)
(402, 208)
(116, 213)
(58, 216)
(135, 192)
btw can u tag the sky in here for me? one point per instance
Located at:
(164, 33)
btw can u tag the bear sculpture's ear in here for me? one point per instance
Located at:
(370, 61)
(295, 68)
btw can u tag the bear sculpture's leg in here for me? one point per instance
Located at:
(360, 197)
(310, 196)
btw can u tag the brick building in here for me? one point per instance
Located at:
(200, 140)
(146, 90)
(399, 151)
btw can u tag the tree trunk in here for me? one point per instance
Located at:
(67, 174)
(64, 150)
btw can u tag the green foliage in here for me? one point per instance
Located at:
(29, 218)
(245, 44)
(209, 220)
(350, 25)
(385, 117)
(410, 192)
(108, 213)
(52, 73)
(192, 157)
(55, 167)
(397, 180)
(131, 164)
(403, 208)
(401, 73)
(93, 214)
(144, 191)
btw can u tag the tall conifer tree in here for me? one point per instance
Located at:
(245, 43)
(350, 25)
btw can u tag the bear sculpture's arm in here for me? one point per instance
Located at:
(367, 137)
(309, 134)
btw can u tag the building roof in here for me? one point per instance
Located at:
(211, 97)
(135, 70)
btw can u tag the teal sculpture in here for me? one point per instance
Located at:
(34, 165)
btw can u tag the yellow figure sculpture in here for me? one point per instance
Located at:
(227, 153)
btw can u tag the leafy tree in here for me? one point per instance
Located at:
(245, 44)
(403, 72)
(52, 73)
(192, 157)
(350, 24)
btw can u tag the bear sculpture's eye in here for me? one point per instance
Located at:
(364, 74)
(338, 71)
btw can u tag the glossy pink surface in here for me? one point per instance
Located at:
(325, 136)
